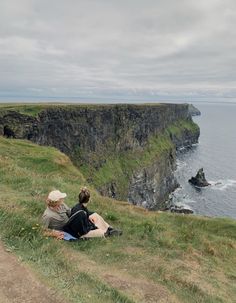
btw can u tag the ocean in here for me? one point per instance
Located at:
(216, 153)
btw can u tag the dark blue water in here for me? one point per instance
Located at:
(216, 153)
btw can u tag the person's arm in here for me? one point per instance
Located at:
(68, 210)
(54, 233)
(51, 232)
(90, 212)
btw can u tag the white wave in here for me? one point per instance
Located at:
(189, 201)
(182, 205)
(222, 184)
(180, 164)
(180, 198)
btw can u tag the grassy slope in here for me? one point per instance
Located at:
(162, 256)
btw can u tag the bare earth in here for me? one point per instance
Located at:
(19, 285)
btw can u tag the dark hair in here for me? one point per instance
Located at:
(84, 195)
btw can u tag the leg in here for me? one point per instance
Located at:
(99, 222)
(101, 225)
(96, 233)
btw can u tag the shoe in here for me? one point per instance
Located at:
(113, 232)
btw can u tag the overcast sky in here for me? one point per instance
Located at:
(117, 48)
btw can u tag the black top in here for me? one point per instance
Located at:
(79, 223)
(78, 207)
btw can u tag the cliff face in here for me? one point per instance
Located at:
(15, 125)
(150, 186)
(100, 139)
(193, 110)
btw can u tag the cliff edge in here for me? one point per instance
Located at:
(126, 151)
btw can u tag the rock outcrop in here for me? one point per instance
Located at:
(125, 151)
(199, 180)
(193, 110)
(154, 182)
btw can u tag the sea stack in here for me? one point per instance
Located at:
(199, 180)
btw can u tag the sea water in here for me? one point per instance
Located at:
(216, 153)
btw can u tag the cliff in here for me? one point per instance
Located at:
(125, 151)
(193, 110)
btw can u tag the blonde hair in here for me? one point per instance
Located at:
(51, 203)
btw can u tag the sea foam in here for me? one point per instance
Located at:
(222, 184)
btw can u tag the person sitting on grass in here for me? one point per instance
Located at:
(58, 219)
(85, 223)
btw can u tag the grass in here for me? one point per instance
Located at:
(34, 109)
(182, 125)
(172, 257)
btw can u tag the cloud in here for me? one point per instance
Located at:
(114, 48)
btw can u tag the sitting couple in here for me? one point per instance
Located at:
(59, 220)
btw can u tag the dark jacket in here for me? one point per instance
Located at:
(79, 206)
(79, 223)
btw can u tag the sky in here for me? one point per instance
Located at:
(117, 49)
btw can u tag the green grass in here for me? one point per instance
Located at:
(25, 109)
(182, 126)
(173, 257)
(34, 109)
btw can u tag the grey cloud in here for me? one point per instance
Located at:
(73, 48)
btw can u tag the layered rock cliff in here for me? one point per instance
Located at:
(193, 110)
(125, 151)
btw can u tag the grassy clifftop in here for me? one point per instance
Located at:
(160, 258)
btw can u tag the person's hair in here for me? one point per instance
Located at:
(84, 195)
(51, 203)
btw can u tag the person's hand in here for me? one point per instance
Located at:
(59, 234)
(92, 220)
(54, 233)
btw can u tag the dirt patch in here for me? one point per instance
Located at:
(143, 290)
(20, 285)
(139, 288)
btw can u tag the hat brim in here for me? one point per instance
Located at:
(63, 195)
(56, 196)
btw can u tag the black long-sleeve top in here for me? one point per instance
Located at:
(79, 223)
(78, 207)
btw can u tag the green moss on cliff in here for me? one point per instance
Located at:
(34, 109)
(118, 168)
(24, 109)
(181, 126)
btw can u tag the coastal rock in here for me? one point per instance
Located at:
(199, 180)
(150, 187)
(193, 110)
(181, 209)
(15, 125)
